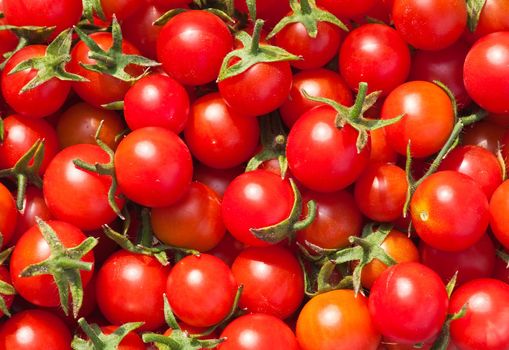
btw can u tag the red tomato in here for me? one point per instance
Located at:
(322, 157)
(31, 249)
(40, 101)
(139, 29)
(375, 54)
(492, 19)
(427, 122)
(246, 200)
(381, 151)
(131, 341)
(423, 24)
(258, 332)
(337, 320)
(346, 8)
(218, 136)
(130, 288)
(192, 45)
(487, 304)
(499, 204)
(272, 278)
(272, 11)
(8, 215)
(228, 249)
(408, 303)
(120, 8)
(153, 167)
(449, 211)
(78, 196)
(484, 134)
(34, 329)
(201, 290)
(8, 40)
(33, 206)
(216, 179)
(487, 64)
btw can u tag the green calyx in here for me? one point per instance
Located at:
(252, 53)
(26, 170)
(307, 13)
(354, 116)
(113, 62)
(91, 7)
(5, 288)
(276, 233)
(64, 264)
(52, 65)
(474, 8)
(97, 340)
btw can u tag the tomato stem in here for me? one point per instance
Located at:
(255, 43)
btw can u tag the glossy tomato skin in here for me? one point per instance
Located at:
(153, 167)
(347, 9)
(380, 192)
(138, 28)
(61, 13)
(375, 54)
(121, 9)
(193, 222)
(279, 290)
(321, 156)
(499, 204)
(408, 303)
(492, 19)
(485, 134)
(271, 11)
(32, 248)
(130, 288)
(434, 31)
(34, 329)
(427, 122)
(478, 163)
(219, 136)
(34, 206)
(381, 151)
(262, 88)
(258, 332)
(192, 45)
(487, 64)
(247, 200)
(157, 100)
(8, 214)
(337, 218)
(337, 320)
(78, 196)
(477, 261)
(487, 304)
(449, 211)
(101, 88)
(315, 52)
(201, 290)
(40, 101)
(317, 83)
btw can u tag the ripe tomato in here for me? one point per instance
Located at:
(8, 40)
(121, 9)
(487, 304)
(322, 157)
(40, 101)
(427, 122)
(153, 167)
(193, 222)
(216, 179)
(201, 290)
(381, 151)
(258, 332)
(375, 54)
(79, 123)
(316, 83)
(192, 45)
(408, 303)
(33, 206)
(423, 24)
(78, 196)
(499, 204)
(34, 329)
(130, 288)
(31, 249)
(272, 11)
(484, 134)
(139, 29)
(492, 19)
(347, 9)
(449, 211)
(228, 249)
(247, 199)
(337, 320)
(157, 100)
(131, 341)
(487, 64)
(272, 278)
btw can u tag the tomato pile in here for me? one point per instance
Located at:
(254, 175)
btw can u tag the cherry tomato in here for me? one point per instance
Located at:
(449, 211)
(492, 19)
(8, 40)
(201, 290)
(272, 11)
(408, 303)
(216, 179)
(484, 134)
(121, 9)
(131, 341)
(139, 29)
(130, 288)
(228, 249)
(381, 151)
(499, 204)
(337, 320)
(153, 167)
(348, 9)
(34, 206)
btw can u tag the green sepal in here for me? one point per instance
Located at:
(113, 62)
(474, 8)
(251, 8)
(97, 340)
(114, 106)
(161, 21)
(307, 13)
(252, 53)
(5, 289)
(64, 264)
(91, 7)
(277, 232)
(52, 65)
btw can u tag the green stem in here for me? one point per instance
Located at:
(255, 44)
(20, 195)
(305, 7)
(308, 220)
(146, 232)
(473, 118)
(359, 100)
